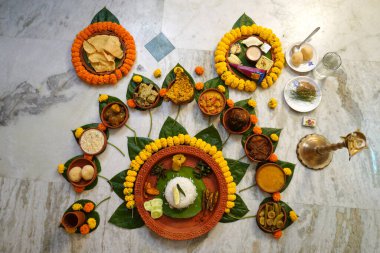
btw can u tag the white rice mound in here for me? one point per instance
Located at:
(187, 186)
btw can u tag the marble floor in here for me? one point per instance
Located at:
(41, 100)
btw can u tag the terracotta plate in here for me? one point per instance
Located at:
(182, 229)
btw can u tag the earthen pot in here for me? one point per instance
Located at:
(105, 122)
(82, 184)
(72, 220)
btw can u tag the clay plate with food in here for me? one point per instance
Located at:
(270, 178)
(146, 96)
(211, 102)
(81, 173)
(93, 141)
(271, 217)
(114, 115)
(180, 193)
(258, 147)
(236, 120)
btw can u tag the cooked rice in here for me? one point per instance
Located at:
(187, 186)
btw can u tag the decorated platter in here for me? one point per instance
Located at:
(306, 65)
(303, 94)
(188, 222)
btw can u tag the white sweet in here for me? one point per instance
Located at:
(88, 172)
(75, 174)
(252, 41)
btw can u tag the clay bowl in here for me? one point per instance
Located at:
(278, 171)
(89, 67)
(81, 162)
(105, 122)
(226, 118)
(72, 220)
(231, 69)
(267, 230)
(101, 150)
(182, 103)
(209, 91)
(258, 136)
(150, 106)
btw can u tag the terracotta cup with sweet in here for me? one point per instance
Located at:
(82, 184)
(108, 107)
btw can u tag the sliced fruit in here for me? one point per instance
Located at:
(156, 214)
(175, 195)
(156, 202)
(156, 208)
(148, 205)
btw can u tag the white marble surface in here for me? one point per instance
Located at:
(41, 100)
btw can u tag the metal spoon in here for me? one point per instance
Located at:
(308, 37)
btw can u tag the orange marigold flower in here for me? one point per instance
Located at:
(276, 196)
(102, 127)
(199, 70)
(277, 234)
(106, 78)
(131, 103)
(113, 79)
(88, 207)
(84, 229)
(257, 130)
(118, 74)
(273, 158)
(163, 92)
(199, 86)
(230, 103)
(254, 119)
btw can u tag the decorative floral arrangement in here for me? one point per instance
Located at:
(103, 22)
(243, 28)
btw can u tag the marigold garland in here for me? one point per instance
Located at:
(181, 139)
(123, 70)
(222, 51)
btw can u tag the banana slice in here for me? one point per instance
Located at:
(176, 195)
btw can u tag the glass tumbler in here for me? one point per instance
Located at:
(327, 66)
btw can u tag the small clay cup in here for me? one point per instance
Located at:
(150, 106)
(101, 150)
(267, 230)
(213, 90)
(105, 122)
(72, 220)
(82, 184)
(226, 118)
(181, 103)
(247, 151)
(262, 167)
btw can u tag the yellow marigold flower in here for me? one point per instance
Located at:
(264, 84)
(237, 31)
(91, 223)
(230, 204)
(229, 36)
(176, 140)
(148, 148)
(78, 132)
(274, 137)
(254, 29)
(230, 185)
(143, 156)
(128, 184)
(252, 103)
(223, 163)
(221, 70)
(61, 168)
(231, 197)
(227, 173)
(243, 30)
(219, 52)
(158, 143)
(249, 30)
(219, 160)
(229, 179)
(225, 169)
(269, 80)
(231, 190)
(229, 80)
(130, 204)
(207, 148)
(181, 138)
(103, 97)
(127, 191)
(287, 171)
(223, 45)
(235, 82)
(273, 76)
(139, 160)
(137, 79)
(154, 146)
(217, 154)
(187, 139)
(77, 207)
(178, 70)
(157, 73)
(293, 216)
(193, 140)
(241, 84)
(130, 179)
(219, 58)
(221, 88)
(225, 75)
(225, 40)
(131, 173)
(170, 141)
(213, 150)
(202, 145)
(227, 210)
(198, 143)
(272, 103)
(164, 142)
(278, 64)
(129, 197)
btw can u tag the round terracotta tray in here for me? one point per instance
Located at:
(89, 68)
(231, 69)
(182, 229)
(104, 121)
(215, 90)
